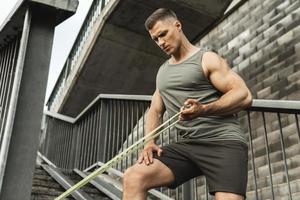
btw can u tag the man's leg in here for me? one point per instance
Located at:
(228, 196)
(139, 178)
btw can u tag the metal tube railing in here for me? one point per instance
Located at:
(113, 122)
(91, 22)
(15, 80)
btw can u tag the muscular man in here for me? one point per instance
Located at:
(212, 143)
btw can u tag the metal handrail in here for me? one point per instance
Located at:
(73, 120)
(283, 106)
(107, 115)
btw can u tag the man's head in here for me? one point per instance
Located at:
(165, 29)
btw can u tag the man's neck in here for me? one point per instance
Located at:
(185, 50)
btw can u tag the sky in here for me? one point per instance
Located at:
(64, 37)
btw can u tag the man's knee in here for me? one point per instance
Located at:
(134, 177)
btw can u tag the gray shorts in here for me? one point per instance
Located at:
(223, 163)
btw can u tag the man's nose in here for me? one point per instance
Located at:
(161, 42)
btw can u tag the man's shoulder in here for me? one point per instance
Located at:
(211, 59)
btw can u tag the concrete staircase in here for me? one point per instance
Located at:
(45, 187)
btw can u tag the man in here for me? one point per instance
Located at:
(212, 143)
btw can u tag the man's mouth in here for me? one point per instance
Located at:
(167, 47)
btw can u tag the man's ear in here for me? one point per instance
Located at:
(178, 25)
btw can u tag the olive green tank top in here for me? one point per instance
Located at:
(186, 80)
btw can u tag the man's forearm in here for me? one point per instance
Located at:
(153, 120)
(230, 103)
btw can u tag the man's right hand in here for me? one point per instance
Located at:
(147, 153)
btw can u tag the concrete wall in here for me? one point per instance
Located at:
(261, 41)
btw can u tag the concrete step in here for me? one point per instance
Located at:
(276, 156)
(276, 167)
(88, 188)
(295, 196)
(277, 178)
(44, 187)
(290, 137)
(280, 190)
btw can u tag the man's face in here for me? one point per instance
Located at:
(166, 35)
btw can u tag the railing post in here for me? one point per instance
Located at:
(188, 190)
(22, 129)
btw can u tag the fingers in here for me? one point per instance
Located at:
(159, 152)
(141, 158)
(147, 155)
(190, 110)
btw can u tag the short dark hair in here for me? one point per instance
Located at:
(159, 14)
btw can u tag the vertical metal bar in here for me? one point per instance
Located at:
(268, 154)
(110, 136)
(1, 69)
(206, 189)
(66, 144)
(63, 139)
(137, 126)
(102, 4)
(118, 110)
(252, 155)
(122, 130)
(168, 142)
(73, 142)
(61, 144)
(50, 136)
(284, 157)
(76, 145)
(47, 137)
(100, 134)
(106, 133)
(94, 136)
(297, 125)
(127, 130)
(90, 139)
(6, 57)
(161, 144)
(195, 189)
(96, 132)
(69, 144)
(114, 146)
(82, 148)
(57, 150)
(85, 143)
(80, 143)
(131, 128)
(4, 81)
